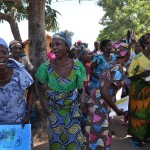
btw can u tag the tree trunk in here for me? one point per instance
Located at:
(36, 32)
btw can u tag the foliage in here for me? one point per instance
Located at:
(19, 10)
(121, 15)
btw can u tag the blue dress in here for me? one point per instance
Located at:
(12, 98)
(102, 64)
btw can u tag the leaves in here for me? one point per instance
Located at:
(122, 15)
(19, 10)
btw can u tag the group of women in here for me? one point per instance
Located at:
(78, 108)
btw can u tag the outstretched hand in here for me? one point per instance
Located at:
(120, 112)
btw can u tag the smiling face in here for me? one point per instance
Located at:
(4, 55)
(138, 47)
(59, 47)
(16, 50)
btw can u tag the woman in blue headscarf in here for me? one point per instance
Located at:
(14, 79)
(63, 78)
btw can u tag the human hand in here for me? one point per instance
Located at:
(26, 119)
(46, 111)
(147, 73)
(120, 112)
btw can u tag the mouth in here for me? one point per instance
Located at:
(2, 61)
(56, 52)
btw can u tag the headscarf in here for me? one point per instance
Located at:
(117, 45)
(2, 42)
(14, 43)
(120, 53)
(65, 36)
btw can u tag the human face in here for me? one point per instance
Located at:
(87, 57)
(138, 48)
(97, 45)
(16, 51)
(3, 57)
(109, 47)
(59, 47)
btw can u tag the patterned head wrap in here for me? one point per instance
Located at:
(117, 45)
(119, 52)
(14, 43)
(65, 36)
(2, 42)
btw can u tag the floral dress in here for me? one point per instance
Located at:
(12, 98)
(64, 128)
(98, 125)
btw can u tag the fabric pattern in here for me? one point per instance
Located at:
(64, 128)
(139, 103)
(102, 64)
(98, 123)
(12, 98)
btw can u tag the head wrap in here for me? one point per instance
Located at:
(14, 43)
(117, 45)
(65, 36)
(2, 42)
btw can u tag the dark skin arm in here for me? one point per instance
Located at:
(40, 88)
(108, 99)
(82, 96)
(143, 74)
(30, 97)
(92, 67)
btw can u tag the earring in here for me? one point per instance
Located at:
(145, 47)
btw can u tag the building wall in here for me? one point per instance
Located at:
(26, 44)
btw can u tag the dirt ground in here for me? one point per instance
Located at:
(120, 139)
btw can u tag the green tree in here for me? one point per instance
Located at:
(121, 15)
(14, 11)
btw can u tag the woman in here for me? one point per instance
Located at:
(14, 79)
(98, 123)
(100, 62)
(17, 53)
(139, 93)
(64, 79)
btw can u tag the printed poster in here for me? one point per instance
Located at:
(14, 137)
(122, 103)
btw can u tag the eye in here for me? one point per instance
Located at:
(55, 44)
(17, 48)
(5, 52)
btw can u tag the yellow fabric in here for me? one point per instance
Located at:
(138, 64)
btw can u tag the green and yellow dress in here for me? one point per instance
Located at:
(64, 127)
(139, 103)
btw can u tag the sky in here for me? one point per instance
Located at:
(82, 19)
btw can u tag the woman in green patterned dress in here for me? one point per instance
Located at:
(64, 79)
(139, 94)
